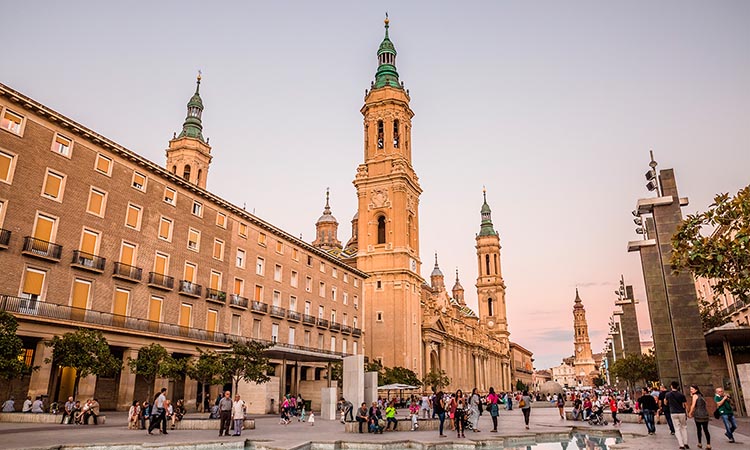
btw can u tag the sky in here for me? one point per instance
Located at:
(553, 106)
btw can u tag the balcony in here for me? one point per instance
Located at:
(41, 249)
(278, 311)
(293, 316)
(346, 329)
(308, 320)
(160, 281)
(190, 289)
(4, 238)
(258, 307)
(216, 296)
(356, 332)
(87, 261)
(335, 327)
(322, 323)
(238, 302)
(127, 272)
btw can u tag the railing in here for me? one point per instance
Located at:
(216, 296)
(126, 271)
(322, 323)
(278, 311)
(237, 301)
(4, 237)
(307, 319)
(356, 332)
(190, 288)
(346, 329)
(36, 308)
(44, 249)
(335, 326)
(259, 307)
(293, 316)
(160, 281)
(88, 261)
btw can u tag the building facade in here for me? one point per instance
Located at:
(96, 236)
(522, 365)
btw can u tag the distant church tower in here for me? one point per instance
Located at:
(583, 359)
(189, 154)
(326, 229)
(490, 284)
(388, 221)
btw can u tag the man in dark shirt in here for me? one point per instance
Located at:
(225, 413)
(676, 402)
(664, 408)
(648, 407)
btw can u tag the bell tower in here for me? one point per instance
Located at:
(189, 154)
(490, 284)
(388, 220)
(326, 229)
(583, 360)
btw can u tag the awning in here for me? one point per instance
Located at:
(735, 334)
(397, 387)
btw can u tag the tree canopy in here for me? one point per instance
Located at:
(207, 368)
(401, 375)
(154, 360)
(85, 350)
(247, 362)
(11, 347)
(436, 379)
(635, 368)
(724, 255)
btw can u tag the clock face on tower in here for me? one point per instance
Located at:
(580, 349)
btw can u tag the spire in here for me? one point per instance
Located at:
(487, 228)
(457, 286)
(436, 271)
(578, 301)
(193, 127)
(386, 74)
(327, 216)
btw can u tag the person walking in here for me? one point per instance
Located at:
(475, 405)
(725, 411)
(677, 404)
(648, 407)
(561, 405)
(699, 413)
(439, 407)
(525, 405)
(238, 414)
(159, 413)
(492, 404)
(225, 413)
(613, 409)
(664, 408)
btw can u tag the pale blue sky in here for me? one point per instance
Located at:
(552, 105)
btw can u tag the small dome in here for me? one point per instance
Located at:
(327, 218)
(436, 271)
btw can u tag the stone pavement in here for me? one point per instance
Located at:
(270, 434)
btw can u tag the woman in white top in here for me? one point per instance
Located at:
(238, 414)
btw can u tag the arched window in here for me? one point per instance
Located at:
(380, 134)
(395, 134)
(496, 271)
(381, 230)
(490, 307)
(408, 231)
(186, 172)
(487, 263)
(200, 172)
(174, 170)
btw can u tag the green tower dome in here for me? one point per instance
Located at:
(193, 127)
(487, 229)
(386, 74)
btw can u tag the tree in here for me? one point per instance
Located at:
(436, 380)
(12, 365)
(155, 361)
(399, 375)
(206, 369)
(635, 368)
(85, 350)
(724, 256)
(247, 362)
(520, 386)
(711, 315)
(599, 381)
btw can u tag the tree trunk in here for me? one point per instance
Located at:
(75, 384)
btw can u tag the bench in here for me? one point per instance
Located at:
(16, 417)
(193, 423)
(403, 425)
(623, 417)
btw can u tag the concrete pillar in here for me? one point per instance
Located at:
(371, 387)
(86, 387)
(631, 340)
(743, 373)
(191, 392)
(126, 390)
(160, 383)
(442, 362)
(354, 379)
(328, 403)
(39, 383)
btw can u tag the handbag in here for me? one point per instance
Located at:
(522, 403)
(717, 414)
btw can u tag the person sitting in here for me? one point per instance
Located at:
(390, 417)
(361, 416)
(133, 416)
(624, 407)
(587, 408)
(414, 413)
(27, 405)
(78, 412)
(93, 411)
(577, 409)
(144, 414)
(374, 418)
(178, 413)
(38, 406)
(9, 405)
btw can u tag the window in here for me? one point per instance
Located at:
(381, 230)
(239, 286)
(354, 321)
(236, 324)
(334, 272)
(62, 145)
(322, 267)
(240, 258)
(139, 181)
(333, 316)
(321, 311)
(170, 196)
(133, 217)
(308, 284)
(490, 307)
(279, 247)
(356, 282)
(320, 341)
(354, 347)
(343, 345)
(194, 240)
(333, 343)
(186, 172)
(221, 220)
(256, 328)
(197, 208)
(334, 293)
(346, 277)
(45, 228)
(258, 293)
(54, 184)
(380, 134)
(291, 335)
(378, 284)
(127, 254)
(262, 238)
(356, 302)
(190, 271)
(309, 260)
(274, 332)
(292, 303)
(89, 242)
(277, 273)
(242, 231)
(308, 305)
(33, 283)
(395, 134)
(11, 122)
(276, 299)
(260, 266)
(295, 254)
(186, 313)
(154, 309)
(322, 289)
(219, 249)
(306, 341)
(212, 320)
(214, 281)
(79, 298)
(120, 302)
(345, 298)
(165, 229)
(294, 279)
(103, 164)
(161, 263)
(379, 316)
(97, 202)
(7, 166)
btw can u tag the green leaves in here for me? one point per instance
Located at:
(86, 351)
(634, 368)
(399, 375)
(246, 361)
(154, 360)
(437, 380)
(207, 368)
(11, 346)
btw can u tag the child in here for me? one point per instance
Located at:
(302, 414)
(414, 411)
(311, 419)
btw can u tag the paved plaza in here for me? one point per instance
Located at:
(270, 434)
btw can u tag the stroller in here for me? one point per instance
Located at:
(468, 415)
(597, 417)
